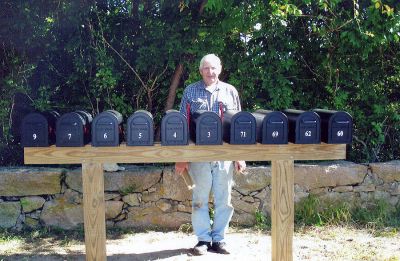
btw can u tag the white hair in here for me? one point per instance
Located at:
(212, 58)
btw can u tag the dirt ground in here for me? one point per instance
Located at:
(334, 243)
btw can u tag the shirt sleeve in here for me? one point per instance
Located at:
(236, 99)
(239, 106)
(184, 101)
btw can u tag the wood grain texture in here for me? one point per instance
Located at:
(189, 153)
(282, 214)
(282, 157)
(94, 211)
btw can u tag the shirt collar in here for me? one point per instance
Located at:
(212, 88)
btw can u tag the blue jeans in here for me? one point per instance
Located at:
(217, 177)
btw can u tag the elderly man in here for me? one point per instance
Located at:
(217, 177)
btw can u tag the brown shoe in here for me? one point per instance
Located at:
(201, 248)
(220, 248)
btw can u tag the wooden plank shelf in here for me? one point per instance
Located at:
(282, 159)
(189, 153)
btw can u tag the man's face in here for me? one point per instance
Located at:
(210, 72)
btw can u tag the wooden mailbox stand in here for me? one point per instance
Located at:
(282, 159)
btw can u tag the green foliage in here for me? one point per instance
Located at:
(121, 55)
(308, 212)
(377, 215)
(263, 222)
(127, 190)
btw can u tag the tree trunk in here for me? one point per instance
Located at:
(176, 78)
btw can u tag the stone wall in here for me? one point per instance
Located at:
(151, 197)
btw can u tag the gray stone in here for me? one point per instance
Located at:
(329, 174)
(394, 188)
(364, 188)
(122, 216)
(243, 206)
(30, 181)
(164, 205)
(393, 201)
(60, 213)
(184, 208)
(152, 196)
(31, 222)
(30, 204)
(381, 195)
(248, 199)
(366, 196)
(372, 179)
(132, 179)
(112, 196)
(72, 196)
(343, 189)
(257, 179)
(318, 191)
(387, 171)
(154, 217)
(132, 199)
(299, 193)
(235, 193)
(9, 213)
(265, 200)
(243, 219)
(173, 186)
(113, 208)
(298, 196)
(336, 197)
(34, 214)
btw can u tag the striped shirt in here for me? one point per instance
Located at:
(201, 98)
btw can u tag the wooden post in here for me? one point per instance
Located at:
(282, 216)
(94, 211)
(281, 156)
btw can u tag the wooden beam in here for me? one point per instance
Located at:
(189, 153)
(94, 211)
(282, 212)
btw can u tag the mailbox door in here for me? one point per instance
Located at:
(70, 131)
(243, 129)
(34, 131)
(275, 131)
(308, 129)
(106, 132)
(208, 131)
(340, 129)
(140, 131)
(174, 130)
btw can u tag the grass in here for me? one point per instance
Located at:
(378, 215)
(263, 222)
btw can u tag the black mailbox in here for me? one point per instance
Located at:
(206, 128)
(336, 126)
(38, 129)
(107, 129)
(272, 127)
(73, 129)
(174, 128)
(140, 129)
(239, 127)
(304, 126)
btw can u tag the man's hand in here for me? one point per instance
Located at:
(180, 167)
(240, 166)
